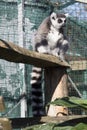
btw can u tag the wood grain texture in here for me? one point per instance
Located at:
(78, 64)
(13, 53)
(2, 105)
(5, 124)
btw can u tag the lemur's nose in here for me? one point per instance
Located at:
(64, 21)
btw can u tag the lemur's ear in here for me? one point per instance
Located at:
(53, 16)
(67, 15)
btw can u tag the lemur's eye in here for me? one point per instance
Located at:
(60, 21)
(53, 18)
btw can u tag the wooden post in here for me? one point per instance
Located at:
(2, 105)
(56, 87)
(22, 44)
(5, 124)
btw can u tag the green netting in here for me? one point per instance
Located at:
(11, 79)
(77, 33)
(11, 75)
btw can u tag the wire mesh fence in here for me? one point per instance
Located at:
(18, 23)
(9, 85)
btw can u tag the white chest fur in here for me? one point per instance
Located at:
(53, 37)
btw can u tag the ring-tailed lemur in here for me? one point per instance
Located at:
(49, 39)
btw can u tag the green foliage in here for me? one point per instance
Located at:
(71, 102)
(41, 127)
(80, 126)
(68, 102)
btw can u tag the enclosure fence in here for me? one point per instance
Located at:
(19, 20)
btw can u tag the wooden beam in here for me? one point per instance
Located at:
(78, 64)
(25, 122)
(82, 1)
(14, 53)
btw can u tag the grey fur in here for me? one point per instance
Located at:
(41, 38)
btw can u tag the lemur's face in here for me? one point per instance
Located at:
(58, 20)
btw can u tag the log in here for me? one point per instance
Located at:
(13, 53)
(56, 87)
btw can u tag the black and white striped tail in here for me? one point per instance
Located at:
(36, 90)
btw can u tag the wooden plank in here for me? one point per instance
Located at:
(78, 65)
(82, 1)
(24, 122)
(77, 62)
(5, 124)
(14, 53)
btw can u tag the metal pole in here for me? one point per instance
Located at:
(21, 43)
(74, 86)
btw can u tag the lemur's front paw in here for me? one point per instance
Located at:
(61, 58)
